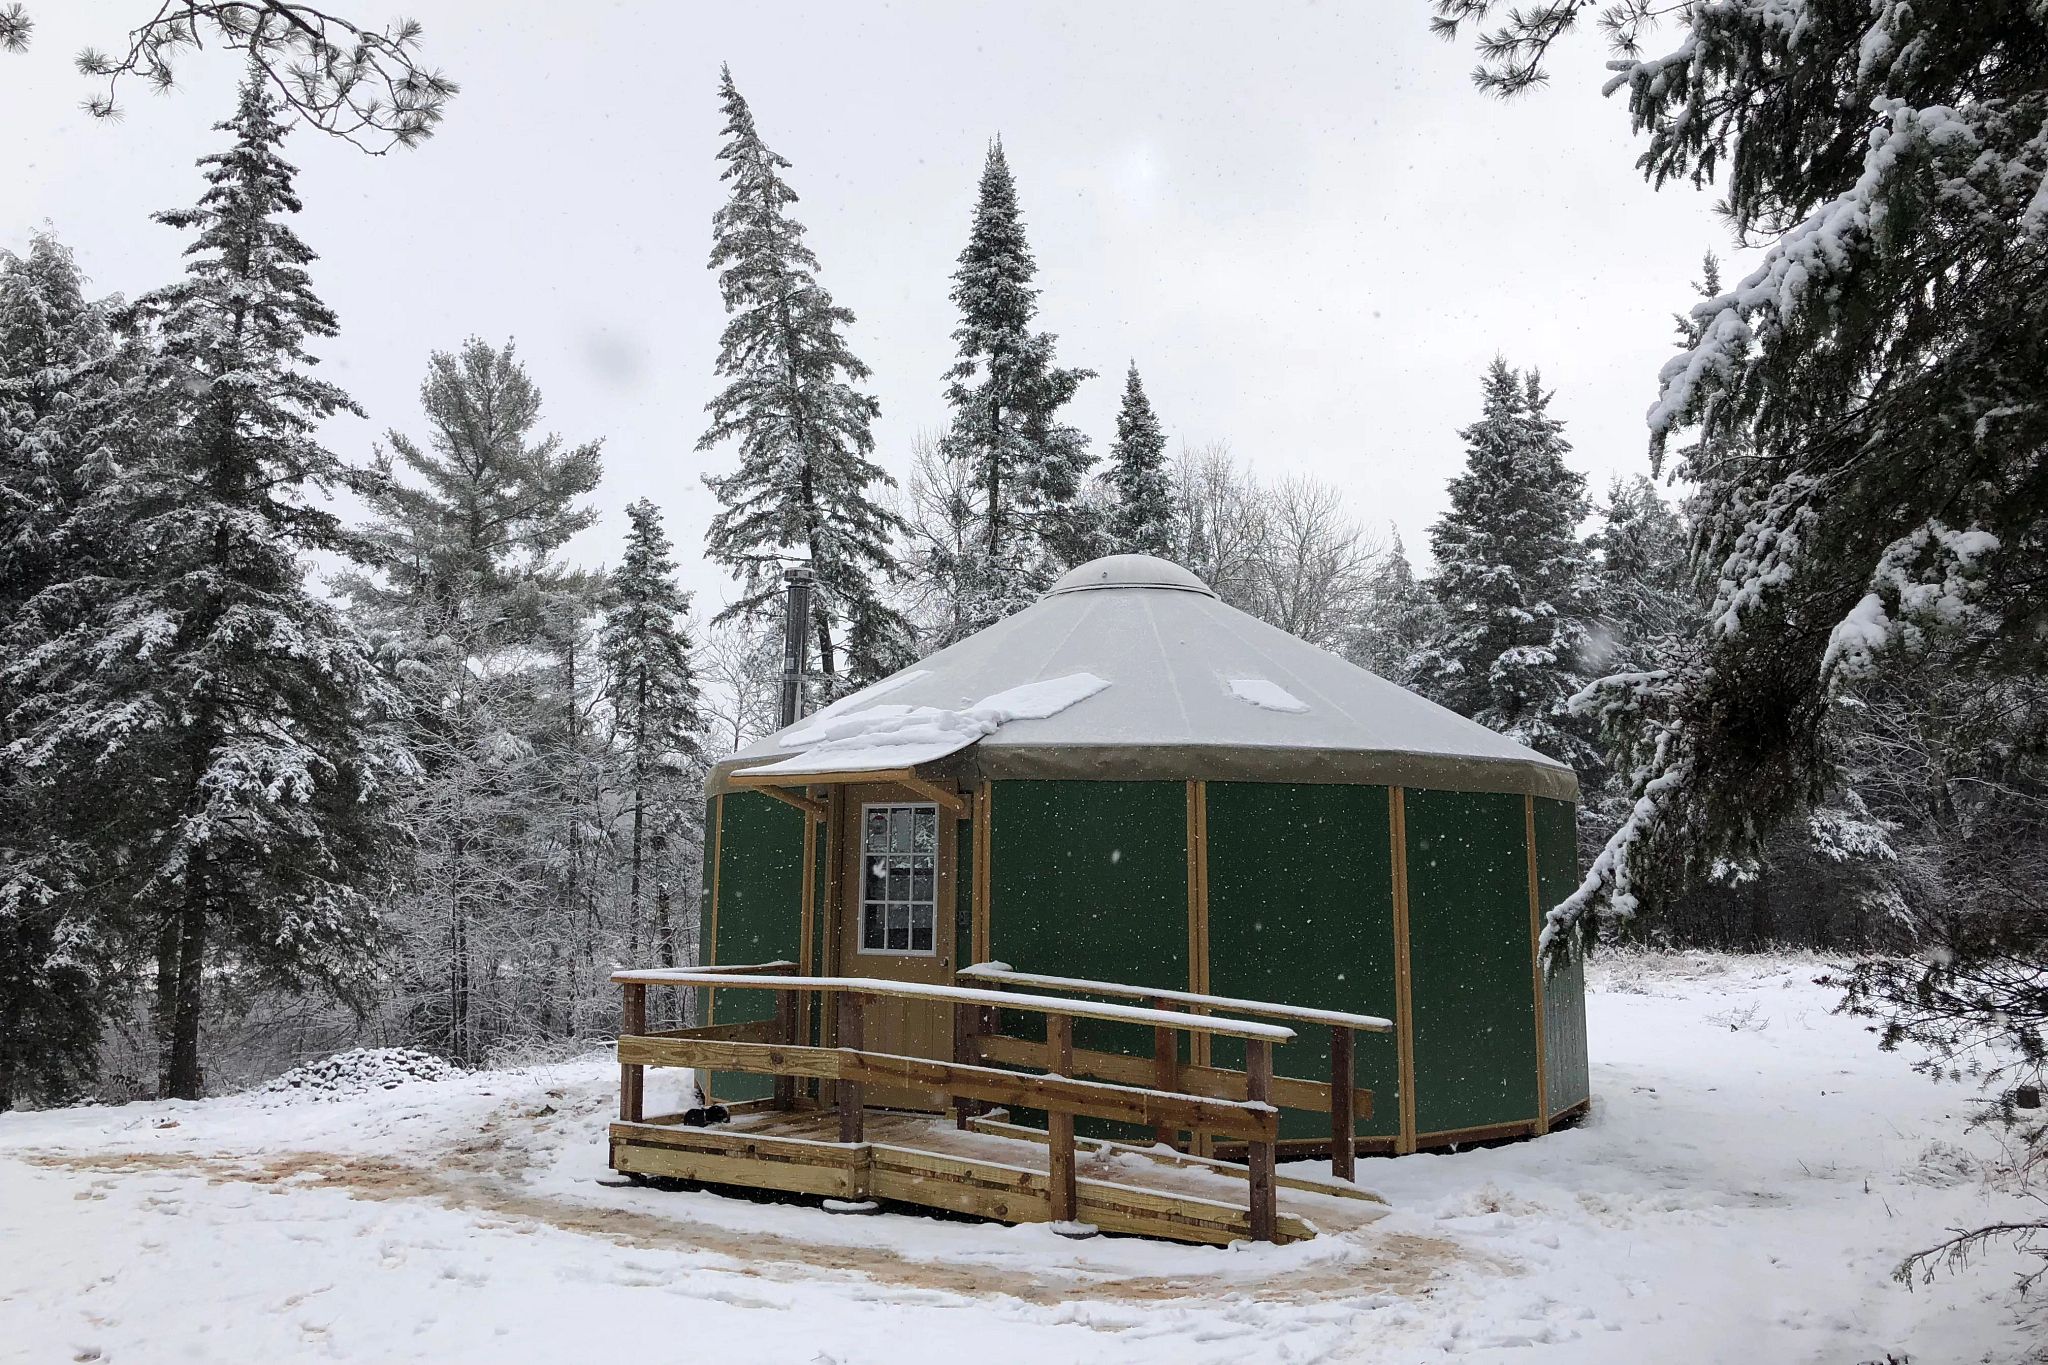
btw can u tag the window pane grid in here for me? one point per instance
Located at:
(899, 881)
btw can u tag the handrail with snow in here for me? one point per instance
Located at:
(1300, 1014)
(959, 995)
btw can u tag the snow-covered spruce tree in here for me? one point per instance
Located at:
(231, 715)
(1512, 577)
(805, 485)
(1641, 581)
(1141, 519)
(1400, 618)
(1869, 453)
(1871, 417)
(1006, 392)
(657, 717)
(479, 626)
(65, 382)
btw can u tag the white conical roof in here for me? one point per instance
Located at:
(1130, 667)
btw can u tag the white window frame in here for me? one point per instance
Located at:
(861, 883)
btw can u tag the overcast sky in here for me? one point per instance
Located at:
(1300, 220)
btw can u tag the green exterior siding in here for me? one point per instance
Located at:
(1564, 985)
(1090, 879)
(1301, 912)
(1468, 934)
(759, 912)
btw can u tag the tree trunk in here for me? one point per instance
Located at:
(185, 1080)
(166, 999)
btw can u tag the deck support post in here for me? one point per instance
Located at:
(632, 1079)
(1259, 1154)
(1060, 1177)
(848, 1093)
(1343, 1128)
(785, 1033)
(1165, 1069)
(965, 1018)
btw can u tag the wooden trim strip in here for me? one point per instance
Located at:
(813, 810)
(1485, 1132)
(1404, 979)
(1536, 968)
(984, 815)
(1200, 1053)
(708, 952)
(754, 781)
(807, 923)
(946, 799)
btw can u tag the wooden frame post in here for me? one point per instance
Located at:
(1061, 1183)
(1165, 1069)
(785, 1033)
(632, 1079)
(1259, 1154)
(965, 1018)
(848, 1093)
(1343, 1129)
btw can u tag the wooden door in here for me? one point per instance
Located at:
(895, 921)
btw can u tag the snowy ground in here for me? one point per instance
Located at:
(1751, 1173)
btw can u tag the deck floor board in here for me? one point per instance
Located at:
(1164, 1191)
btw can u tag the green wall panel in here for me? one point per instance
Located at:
(759, 912)
(1564, 985)
(1301, 912)
(1468, 934)
(1090, 879)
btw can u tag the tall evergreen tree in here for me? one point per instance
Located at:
(1007, 392)
(1400, 619)
(1642, 583)
(64, 385)
(1512, 576)
(656, 712)
(228, 712)
(805, 482)
(483, 631)
(1142, 516)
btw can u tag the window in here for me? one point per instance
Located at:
(899, 878)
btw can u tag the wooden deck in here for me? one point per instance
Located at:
(819, 1135)
(991, 1171)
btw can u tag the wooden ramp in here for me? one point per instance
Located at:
(992, 1171)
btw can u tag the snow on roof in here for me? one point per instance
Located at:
(1267, 694)
(878, 738)
(1168, 660)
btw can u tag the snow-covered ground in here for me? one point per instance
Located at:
(1752, 1172)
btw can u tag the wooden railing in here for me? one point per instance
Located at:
(849, 1068)
(1340, 1099)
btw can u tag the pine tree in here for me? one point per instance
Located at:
(1642, 581)
(1512, 577)
(805, 482)
(656, 712)
(483, 631)
(1401, 618)
(64, 384)
(228, 713)
(1142, 515)
(1006, 392)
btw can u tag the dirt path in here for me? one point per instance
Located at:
(486, 1175)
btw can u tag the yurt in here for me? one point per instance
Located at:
(1131, 781)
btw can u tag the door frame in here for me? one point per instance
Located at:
(842, 905)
